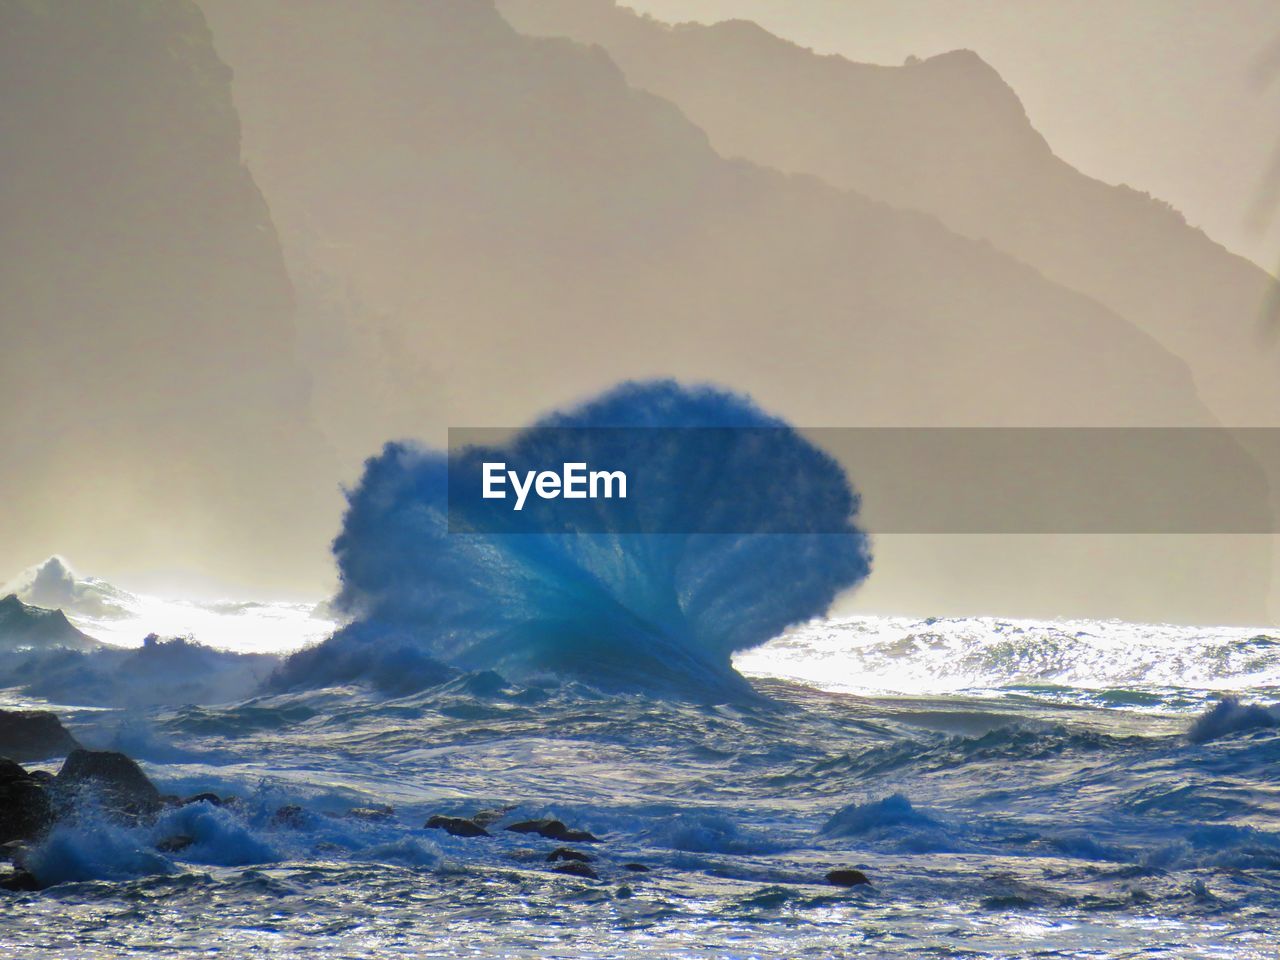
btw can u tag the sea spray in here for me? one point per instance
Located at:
(585, 594)
(1230, 716)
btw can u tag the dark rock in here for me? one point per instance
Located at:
(33, 735)
(19, 880)
(457, 826)
(12, 851)
(635, 867)
(371, 814)
(553, 830)
(525, 855)
(565, 853)
(11, 770)
(576, 869)
(211, 798)
(41, 776)
(112, 779)
(290, 816)
(489, 817)
(175, 844)
(533, 826)
(847, 878)
(25, 805)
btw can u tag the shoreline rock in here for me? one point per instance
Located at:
(553, 830)
(847, 878)
(456, 826)
(114, 780)
(29, 735)
(576, 869)
(34, 802)
(382, 814)
(289, 817)
(566, 853)
(25, 806)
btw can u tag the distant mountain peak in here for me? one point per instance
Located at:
(53, 584)
(23, 626)
(946, 135)
(961, 56)
(739, 28)
(967, 64)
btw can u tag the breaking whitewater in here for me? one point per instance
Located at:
(1008, 788)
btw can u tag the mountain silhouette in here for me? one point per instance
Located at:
(526, 227)
(483, 225)
(24, 627)
(152, 402)
(459, 224)
(947, 136)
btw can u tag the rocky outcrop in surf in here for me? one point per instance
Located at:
(456, 826)
(96, 794)
(553, 829)
(25, 806)
(112, 781)
(33, 735)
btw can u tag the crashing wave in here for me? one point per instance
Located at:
(1229, 716)
(595, 599)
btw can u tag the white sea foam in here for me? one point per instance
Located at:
(871, 655)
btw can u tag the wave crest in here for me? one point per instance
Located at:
(620, 609)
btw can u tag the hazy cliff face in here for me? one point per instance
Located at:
(483, 225)
(152, 405)
(526, 227)
(948, 136)
(1177, 97)
(479, 226)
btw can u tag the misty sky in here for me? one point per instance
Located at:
(243, 245)
(1169, 96)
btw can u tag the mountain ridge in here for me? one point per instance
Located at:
(23, 626)
(947, 135)
(148, 321)
(618, 208)
(491, 226)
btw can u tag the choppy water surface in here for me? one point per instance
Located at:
(1011, 789)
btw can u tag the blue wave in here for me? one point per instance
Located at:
(620, 609)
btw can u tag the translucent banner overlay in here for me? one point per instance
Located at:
(724, 480)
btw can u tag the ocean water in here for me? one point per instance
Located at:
(1011, 789)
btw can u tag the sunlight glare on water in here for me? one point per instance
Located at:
(242, 626)
(874, 655)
